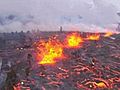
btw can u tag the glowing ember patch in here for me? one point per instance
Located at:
(101, 85)
(108, 34)
(49, 51)
(52, 54)
(18, 87)
(48, 59)
(93, 37)
(74, 40)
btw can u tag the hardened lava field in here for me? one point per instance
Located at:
(67, 61)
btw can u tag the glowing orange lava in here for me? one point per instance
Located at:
(17, 87)
(74, 40)
(93, 37)
(101, 85)
(49, 51)
(108, 34)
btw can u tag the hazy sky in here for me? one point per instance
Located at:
(30, 14)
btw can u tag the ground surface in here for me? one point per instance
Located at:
(94, 66)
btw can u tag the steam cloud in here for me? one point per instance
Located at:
(48, 15)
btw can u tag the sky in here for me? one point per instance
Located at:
(17, 15)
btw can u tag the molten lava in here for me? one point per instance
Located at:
(108, 34)
(74, 40)
(93, 37)
(79, 63)
(49, 51)
(101, 85)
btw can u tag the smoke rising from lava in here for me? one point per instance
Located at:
(48, 15)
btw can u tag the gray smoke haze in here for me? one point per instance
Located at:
(85, 15)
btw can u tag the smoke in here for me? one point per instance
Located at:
(47, 15)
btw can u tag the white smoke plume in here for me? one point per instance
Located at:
(48, 15)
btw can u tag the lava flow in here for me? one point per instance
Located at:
(108, 34)
(93, 37)
(87, 67)
(74, 40)
(49, 51)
